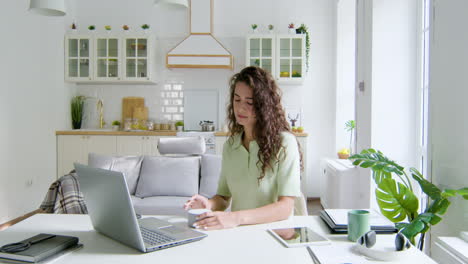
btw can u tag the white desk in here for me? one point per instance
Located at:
(245, 244)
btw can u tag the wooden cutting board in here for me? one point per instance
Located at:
(129, 104)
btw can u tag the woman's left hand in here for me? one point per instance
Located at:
(217, 220)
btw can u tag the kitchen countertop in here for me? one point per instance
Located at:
(139, 133)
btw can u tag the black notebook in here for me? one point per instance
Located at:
(43, 249)
(336, 219)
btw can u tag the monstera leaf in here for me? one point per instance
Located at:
(382, 167)
(396, 202)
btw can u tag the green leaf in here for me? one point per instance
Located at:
(396, 202)
(415, 227)
(401, 225)
(438, 206)
(428, 188)
(451, 193)
(367, 164)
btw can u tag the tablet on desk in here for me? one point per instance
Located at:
(298, 237)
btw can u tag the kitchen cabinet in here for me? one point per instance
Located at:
(283, 56)
(137, 145)
(75, 148)
(108, 58)
(78, 65)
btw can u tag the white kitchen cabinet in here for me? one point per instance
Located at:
(78, 65)
(284, 56)
(137, 145)
(75, 148)
(109, 58)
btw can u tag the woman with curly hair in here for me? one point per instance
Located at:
(261, 160)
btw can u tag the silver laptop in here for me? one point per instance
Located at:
(112, 214)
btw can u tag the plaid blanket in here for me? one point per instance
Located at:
(64, 197)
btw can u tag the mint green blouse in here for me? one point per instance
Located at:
(239, 174)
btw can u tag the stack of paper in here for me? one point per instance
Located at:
(337, 220)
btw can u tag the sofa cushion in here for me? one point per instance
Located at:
(210, 171)
(181, 145)
(160, 205)
(172, 176)
(128, 165)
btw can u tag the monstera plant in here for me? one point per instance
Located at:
(397, 200)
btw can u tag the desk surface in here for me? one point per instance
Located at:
(245, 244)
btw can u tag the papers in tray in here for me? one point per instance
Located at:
(337, 220)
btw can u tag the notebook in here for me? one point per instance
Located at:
(337, 221)
(42, 246)
(111, 211)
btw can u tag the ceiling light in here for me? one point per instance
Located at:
(48, 7)
(175, 3)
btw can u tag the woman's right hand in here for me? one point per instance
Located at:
(197, 202)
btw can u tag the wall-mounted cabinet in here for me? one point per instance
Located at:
(283, 56)
(109, 58)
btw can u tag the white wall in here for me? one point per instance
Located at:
(345, 70)
(33, 104)
(316, 96)
(394, 81)
(448, 109)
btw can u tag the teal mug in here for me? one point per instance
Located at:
(358, 224)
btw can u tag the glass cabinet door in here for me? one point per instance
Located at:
(107, 58)
(136, 58)
(260, 52)
(291, 58)
(78, 58)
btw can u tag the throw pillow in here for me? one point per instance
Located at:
(210, 171)
(168, 176)
(129, 165)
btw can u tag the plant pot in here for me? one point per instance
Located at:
(180, 128)
(115, 128)
(292, 31)
(343, 156)
(76, 124)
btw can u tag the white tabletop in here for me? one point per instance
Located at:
(245, 244)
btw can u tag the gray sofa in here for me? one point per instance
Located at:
(160, 185)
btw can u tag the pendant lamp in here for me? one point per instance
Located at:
(48, 7)
(174, 3)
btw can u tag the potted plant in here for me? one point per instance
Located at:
(179, 125)
(254, 28)
(270, 28)
(107, 28)
(350, 125)
(291, 28)
(77, 111)
(397, 200)
(145, 27)
(92, 27)
(116, 125)
(125, 28)
(304, 30)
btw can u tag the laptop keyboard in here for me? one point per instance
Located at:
(154, 237)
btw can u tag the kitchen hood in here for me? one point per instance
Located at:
(200, 49)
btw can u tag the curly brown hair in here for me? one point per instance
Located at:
(269, 115)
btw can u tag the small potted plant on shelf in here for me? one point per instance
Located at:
(125, 28)
(254, 28)
(179, 125)
(92, 27)
(116, 125)
(304, 30)
(397, 199)
(145, 27)
(291, 28)
(77, 103)
(270, 28)
(107, 28)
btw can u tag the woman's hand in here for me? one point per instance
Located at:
(217, 220)
(197, 202)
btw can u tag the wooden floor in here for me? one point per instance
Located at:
(313, 206)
